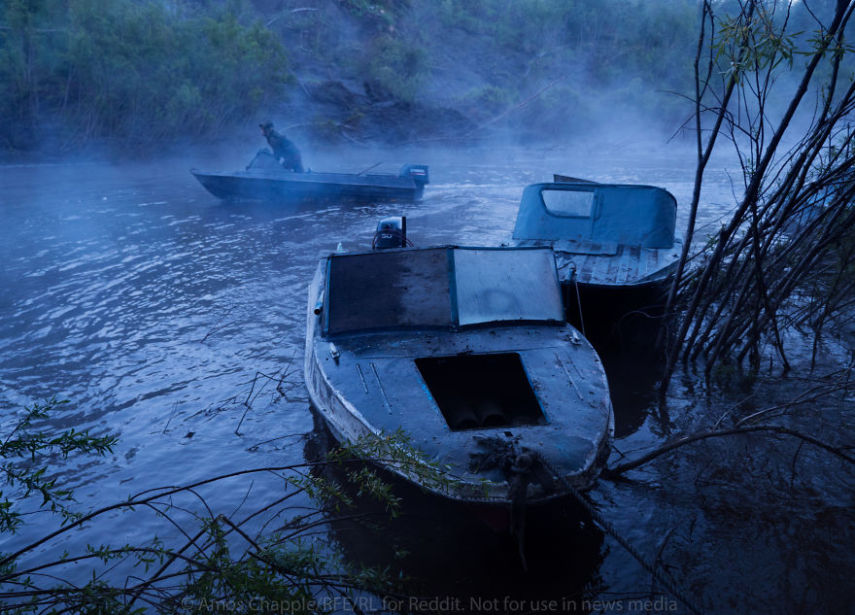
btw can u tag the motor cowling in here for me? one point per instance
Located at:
(418, 172)
(390, 233)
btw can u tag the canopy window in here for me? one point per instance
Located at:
(574, 203)
(440, 288)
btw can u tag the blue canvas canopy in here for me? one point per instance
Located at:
(440, 288)
(643, 216)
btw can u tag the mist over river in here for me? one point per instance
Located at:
(153, 307)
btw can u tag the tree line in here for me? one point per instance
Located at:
(129, 73)
(136, 74)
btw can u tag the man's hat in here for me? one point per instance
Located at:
(266, 125)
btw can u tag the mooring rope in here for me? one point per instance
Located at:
(611, 531)
(575, 281)
(522, 467)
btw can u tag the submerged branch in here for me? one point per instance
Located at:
(776, 429)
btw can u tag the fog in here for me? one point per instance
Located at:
(154, 306)
(350, 78)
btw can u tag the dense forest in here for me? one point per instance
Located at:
(135, 75)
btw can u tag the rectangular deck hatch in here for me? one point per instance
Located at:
(481, 391)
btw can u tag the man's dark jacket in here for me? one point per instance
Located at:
(285, 150)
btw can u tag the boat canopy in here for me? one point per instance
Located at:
(440, 288)
(643, 216)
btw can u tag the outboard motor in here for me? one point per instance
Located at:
(390, 233)
(419, 174)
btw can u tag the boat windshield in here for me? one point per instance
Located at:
(632, 215)
(440, 288)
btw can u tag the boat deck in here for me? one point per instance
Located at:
(626, 266)
(610, 264)
(379, 377)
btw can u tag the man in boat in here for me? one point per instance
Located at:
(283, 148)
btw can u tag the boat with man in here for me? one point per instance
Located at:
(264, 179)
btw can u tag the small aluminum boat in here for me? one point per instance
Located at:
(266, 180)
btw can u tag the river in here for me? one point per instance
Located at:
(168, 318)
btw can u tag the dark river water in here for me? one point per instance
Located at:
(177, 322)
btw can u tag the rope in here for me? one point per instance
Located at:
(611, 531)
(578, 297)
(522, 467)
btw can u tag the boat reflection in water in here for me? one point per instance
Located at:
(452, 562)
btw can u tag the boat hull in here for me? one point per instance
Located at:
(488, 500)
(617, 294)
(297, 187)
(622, 314)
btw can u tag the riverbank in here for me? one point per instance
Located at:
(141, 77)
